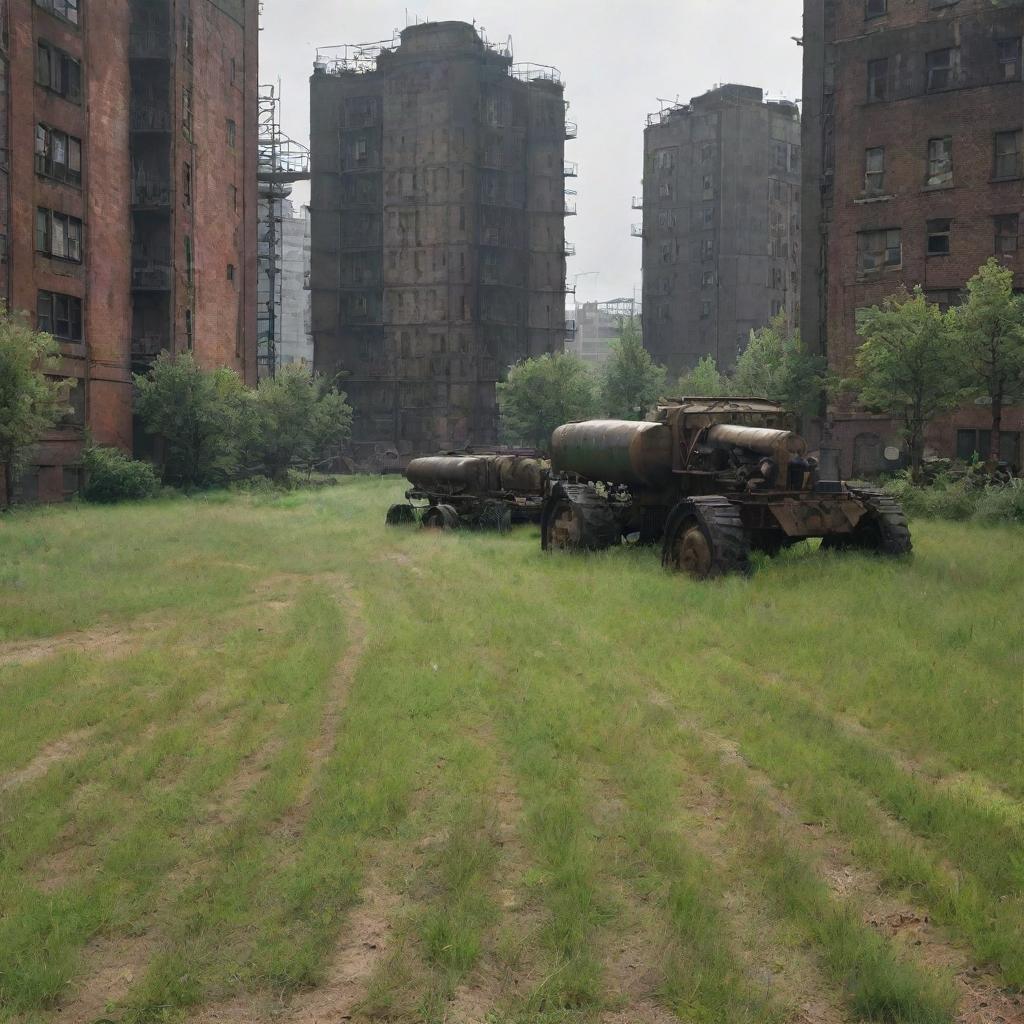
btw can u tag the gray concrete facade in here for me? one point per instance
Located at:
(721, 224)
(438, 235)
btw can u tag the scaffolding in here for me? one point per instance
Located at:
(281, 163)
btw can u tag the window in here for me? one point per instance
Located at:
(938, 237)
(232, 132)
(971, 444)
(943, 69)
(875, 8)
(709, 216)
(59, 315)
(186, 110)
(186, 25)
(188, 330)
(66, 9)
(940, 162)
(708, 279)
(707, 248)
(1009, 59)
(874, 170)
(360, 149)
(1007, 233)
(707, 152)
(231, 271)
(880, 250)
(186, 183)
(58, 235)
(1008, 154)
(233, 196)
(188, 259)
(878, 80)
(233, 71)
(705, 310)
(58, 72)
(781, 156)
(665, 159)
(58, 155)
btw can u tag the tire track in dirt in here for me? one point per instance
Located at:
(981, 1000)
(107, 642)
(55, 752)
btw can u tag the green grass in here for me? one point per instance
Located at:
(514, 762)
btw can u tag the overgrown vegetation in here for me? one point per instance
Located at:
(111, 476)
(962, 499)
(252, 740)
(631, 382)
(33, 397)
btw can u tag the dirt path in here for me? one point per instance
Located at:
(981, 1000)
(53, 753)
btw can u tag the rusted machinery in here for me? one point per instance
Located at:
(485, 490)
(711, 480)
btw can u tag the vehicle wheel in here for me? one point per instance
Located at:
(496, 515)
(440, 517)
(577, 518)
(705, 538)
(400, 515)
(882, 530)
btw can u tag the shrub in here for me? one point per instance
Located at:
(111, 476)
(1001, 504)
(961, 500)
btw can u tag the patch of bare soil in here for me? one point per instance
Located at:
(106, 642)
(401, 559)
(53, 753)
(981, 999)
(113, 965)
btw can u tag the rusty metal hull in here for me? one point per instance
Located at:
(614, 451)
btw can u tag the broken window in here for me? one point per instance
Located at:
(1008, 154)
(940, 162)
(59, 315)
(879, 250)
(781, 156)
(188, 330)
(943, 69)
(708, 248)
(1009, 59)
(231, 272)
(878, 80)
(186, 110)
(875, 8)
(186, 32)
(709, 187)
(188, 260)
(707, 152)
(66, 9)
(58, 72)
(58, 155)
(1007, 233)
(664, 159)
(938, 237)
(874, 170)
(186, 183)
(232, 132)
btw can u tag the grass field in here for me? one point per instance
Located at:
(263, 759)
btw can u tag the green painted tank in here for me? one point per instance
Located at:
(614, 451)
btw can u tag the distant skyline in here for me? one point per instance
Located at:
(617, 61)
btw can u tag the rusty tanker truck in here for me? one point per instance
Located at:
(479, 489)
(710, 480)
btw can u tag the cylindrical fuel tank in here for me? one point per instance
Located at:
(614, 451)
(515, 473)
(781, 444)
(465, 473)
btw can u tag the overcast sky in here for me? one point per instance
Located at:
(617, 58)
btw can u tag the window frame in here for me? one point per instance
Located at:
(63, 74)
(72, 315)
(881, 254)
(1002, 220)
(873, 80)
(1015, 62)
(53, 227)
(935, 176)
(47, 140)
(869, 189)
(1018, 170)
(871, 15)
(51, 7)
(936, 231)
(951, 70)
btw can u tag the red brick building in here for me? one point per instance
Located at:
(127, 197)
(913, 127)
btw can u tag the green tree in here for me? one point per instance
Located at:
(200, 415)
(543, 393)
(631, 382)
(775, 365)
(32, 398)
(705, 380)
(908, 366)
(297, 419)
(990, 334)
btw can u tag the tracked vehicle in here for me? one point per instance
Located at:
(710, 479)
(479, 489)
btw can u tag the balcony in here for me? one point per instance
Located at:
(570, 327)
(568, 249)
(151, 195)
(637, 230)
(149, 44)
(638, 202)
(571, 130)
(151, 276)
(150, 118)
(570, 169)
(570, 202)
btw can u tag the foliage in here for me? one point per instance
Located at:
(631, 382)
(908, 365)
(959, 500)
(199, 416)
(296, 419)
(705, 381)
(32, 399)
(775, 365)
(112, 476)
(543, 393)
(989, 330)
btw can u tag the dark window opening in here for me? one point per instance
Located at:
(874, 170)
(58, 155)
(232, 131)
(977, 444)
(66, 9)
(878, 80)
(186, 110)
(938, 237)
(940, 162)
(1009, 162)
(1009, 59)
(943, 68)
(875, 8)
(58, 235)
(188, 260)
(59, 315)
(880, 250)
(186, 183)
(58, 72)
(188, 329)
(231, 271)
(1007, 233)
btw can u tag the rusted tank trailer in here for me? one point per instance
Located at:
(711, 480)
(486, 490)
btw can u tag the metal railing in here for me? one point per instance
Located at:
(570, 169)
(151, 275)
(638, 202)
(569, 249)
(149, 44)
(571, 130)
(536, 73)
(151, 193)
(150, 118)
(637, 230)
(570, 202)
